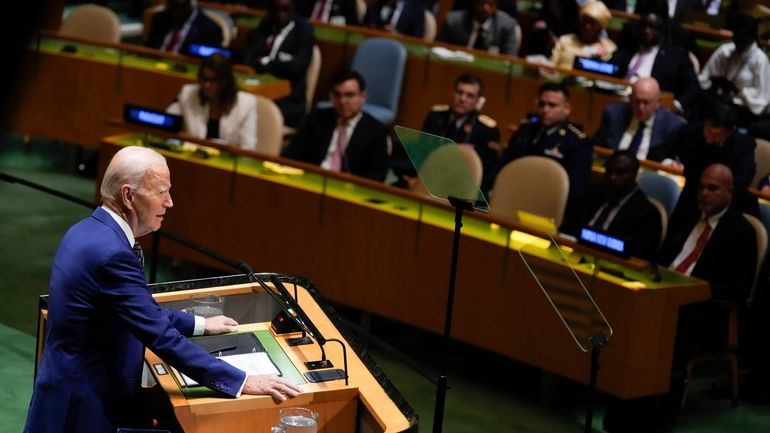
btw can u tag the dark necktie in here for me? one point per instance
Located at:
(636, 141)
(138, 252)
(604, 215)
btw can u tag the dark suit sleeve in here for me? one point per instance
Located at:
(157, 31)
(646, 237)
(670, 148)
(300, 148)
(734, 279)
(579, 167)
(746, 166)
(183, 322)
(413, 22)
(125, 292)
(603, 134)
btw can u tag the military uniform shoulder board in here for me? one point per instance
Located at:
(487, 121)
(576, 131)
(440, 107)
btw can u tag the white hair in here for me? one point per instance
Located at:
(127, 167)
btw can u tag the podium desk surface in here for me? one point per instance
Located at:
(199, 410)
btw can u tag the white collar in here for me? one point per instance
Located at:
(123, 225)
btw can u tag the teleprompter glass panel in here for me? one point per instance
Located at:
(442, 167)
(561, 285)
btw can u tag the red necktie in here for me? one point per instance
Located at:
(697, 251)
(172, 43)
(339, 152)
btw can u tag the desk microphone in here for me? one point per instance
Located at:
(294, 312)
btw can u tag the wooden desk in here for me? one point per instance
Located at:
(368, 403)
(387, 251)
(68, 96)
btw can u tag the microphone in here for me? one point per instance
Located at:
(293, 311)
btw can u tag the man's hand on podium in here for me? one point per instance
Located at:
(272, 385)
(219, 325)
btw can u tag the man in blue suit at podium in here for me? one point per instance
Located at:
(101, 315)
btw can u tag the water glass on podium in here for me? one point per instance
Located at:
(296, 420)
(209, 306)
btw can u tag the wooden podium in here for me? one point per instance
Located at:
(369, 403)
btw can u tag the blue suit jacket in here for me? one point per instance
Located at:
(617, 117)
(100, 318)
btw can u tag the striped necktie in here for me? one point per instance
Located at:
(138, 252)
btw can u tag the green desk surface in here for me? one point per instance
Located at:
(404, 207)
(113, 56)
(277, 355)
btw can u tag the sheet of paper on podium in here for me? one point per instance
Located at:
(252, 363)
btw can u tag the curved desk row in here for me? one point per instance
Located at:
(69, 86)
(386, 251)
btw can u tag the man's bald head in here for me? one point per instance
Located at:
(645, 98)
(715, 191)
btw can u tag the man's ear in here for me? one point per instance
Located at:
(364, 94)
(127, 197)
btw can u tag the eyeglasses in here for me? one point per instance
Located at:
(346, 95)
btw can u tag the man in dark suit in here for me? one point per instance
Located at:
(404, 17)
(461, 122)
(697, 145)
(639, 125)
(343, 138)
(618, 207)
(715, 244)
(282, 45)
(551, 135)
(101, 315)
(481, 26)
(179, 25)
(340, 12)
(669, 65)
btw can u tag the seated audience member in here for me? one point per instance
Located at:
(554, 19)
(461, 122)
(588, 41)
(343, 138)
(619, 207)
(639, 125)
(551, 135)
(215, 109)
(697, 145)
(282, 45)
(481, 26)
(180, 24)
(671, 28)
(669, 65)
(404, 17)
(715, 243)
(739, 73)
(340, 12)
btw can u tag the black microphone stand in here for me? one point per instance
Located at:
(460, 205)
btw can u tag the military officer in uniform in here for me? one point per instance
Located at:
(551, 135)
(461, 122)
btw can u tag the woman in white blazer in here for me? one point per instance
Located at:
(215, 109)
